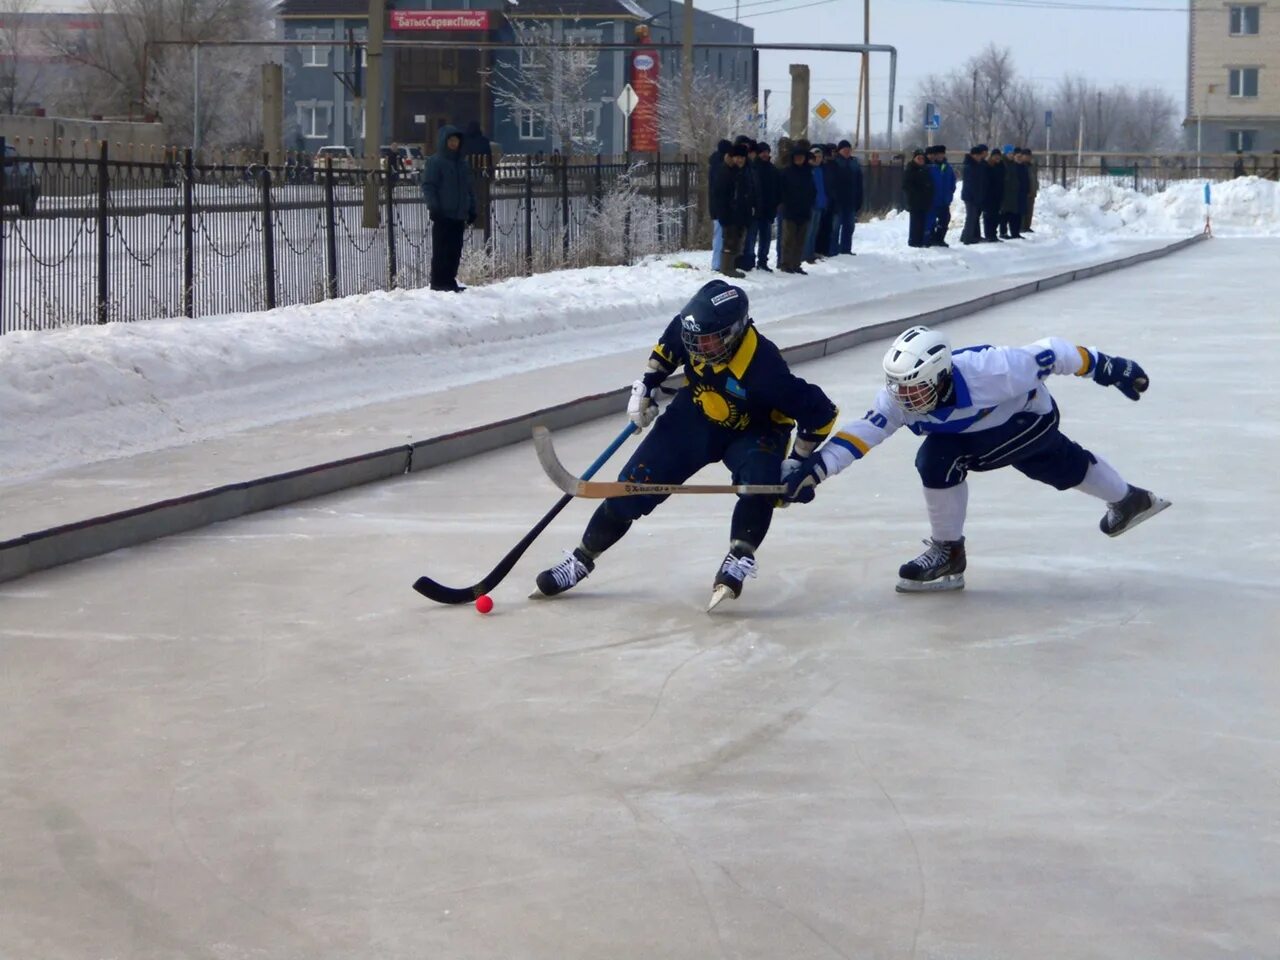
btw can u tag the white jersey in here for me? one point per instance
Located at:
(991, 385)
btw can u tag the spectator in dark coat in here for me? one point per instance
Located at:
(848, 198)
(451, 201)
(476, 144)
(1033, 174)
(973, 190)
(1010, 213)
(734, 197)
(993, 197)
(714, 163)
(943, 176)
(798, 197)
(746, 261)
(824, 240)
(918, 187)
(768, 182)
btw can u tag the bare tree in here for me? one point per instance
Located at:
(123, 70)
(550, 82)
(716, 111)
(20, 55)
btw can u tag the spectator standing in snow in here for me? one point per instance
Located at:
(848, 198)
(994, 196)
(918, 187)
(1033, 175)
(944, 190)
(735, 204)
(768, 198)
(1010, 215)
(973, 190)
(819, 204)
(798, 195)
(451, 201)
(714, 163)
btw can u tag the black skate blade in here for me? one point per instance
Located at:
(954, 581)
(1158, 504)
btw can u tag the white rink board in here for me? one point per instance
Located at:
(257, 741)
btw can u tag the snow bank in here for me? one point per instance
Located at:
(90, 393)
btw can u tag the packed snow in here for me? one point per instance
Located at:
(84, 394)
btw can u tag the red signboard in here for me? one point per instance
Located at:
(644, 118)
(440, 19)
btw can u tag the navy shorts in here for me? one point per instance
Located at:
(682, 441)
(1030, 443)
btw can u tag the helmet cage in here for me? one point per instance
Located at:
(918, 370)
(713, 346)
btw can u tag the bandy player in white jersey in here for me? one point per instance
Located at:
(980, 408)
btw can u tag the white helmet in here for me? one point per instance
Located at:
(917, 369)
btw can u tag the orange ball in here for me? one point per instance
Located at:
(484, 604)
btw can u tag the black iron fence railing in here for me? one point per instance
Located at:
(93, 240)
(96, 238)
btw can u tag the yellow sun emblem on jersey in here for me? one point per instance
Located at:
(718, 408)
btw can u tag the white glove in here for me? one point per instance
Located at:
(642, 408)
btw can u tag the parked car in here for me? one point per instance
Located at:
(21, 182)
(409, 160)
(346, 165)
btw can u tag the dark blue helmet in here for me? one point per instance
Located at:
(712, 323)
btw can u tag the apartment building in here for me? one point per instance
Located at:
(1233, 77)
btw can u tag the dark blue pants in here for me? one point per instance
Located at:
(842, 230)
(764, 237)
(1030, 443)
(680, 443)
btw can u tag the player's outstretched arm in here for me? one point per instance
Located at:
(851, 442)
(1055, 355)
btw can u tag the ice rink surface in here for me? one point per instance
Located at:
(256, 741)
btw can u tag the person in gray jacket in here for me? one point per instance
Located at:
(451, 200)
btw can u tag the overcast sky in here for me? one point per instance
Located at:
(1143, 46)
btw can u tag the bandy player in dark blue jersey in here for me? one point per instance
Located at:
(740, 406)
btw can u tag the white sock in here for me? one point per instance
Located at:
(1102, 481)
(947, 508)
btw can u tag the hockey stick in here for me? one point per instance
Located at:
(596, 490)
(441, 594)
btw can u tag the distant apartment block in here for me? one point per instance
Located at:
(1233, 77)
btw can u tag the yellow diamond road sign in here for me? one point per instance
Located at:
(824, 110)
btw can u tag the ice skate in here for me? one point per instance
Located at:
(739, 563)
(574, 568)
(941, 567)
(1136, 506)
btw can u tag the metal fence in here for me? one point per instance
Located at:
(124, 239)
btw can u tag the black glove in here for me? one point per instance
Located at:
(802, 478)
(1125, 375)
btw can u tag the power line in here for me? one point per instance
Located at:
(766, 13)
(1062, 5)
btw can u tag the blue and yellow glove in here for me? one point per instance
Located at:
(1125, 375)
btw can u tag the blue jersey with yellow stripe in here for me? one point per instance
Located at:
(755, 388)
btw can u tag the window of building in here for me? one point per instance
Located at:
(1241, 140)
(317, 56)
(583, 122)
(531, 125)
(314, 118)
(1244, 81)
(1244, 20)
(528, 56)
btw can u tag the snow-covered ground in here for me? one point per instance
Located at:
(90, 393)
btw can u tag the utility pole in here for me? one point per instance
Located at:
(686, 71)
(371, 117)
(866, 73)
(1098, 134)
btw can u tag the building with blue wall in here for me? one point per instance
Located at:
(427, 88)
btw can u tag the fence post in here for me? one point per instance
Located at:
(1136, 165)
(528, 215)
(657, 192)
(684, 203)
(268, 239)
(389, 179)
(2, 272)
(104, 289)
(188, 234)
(563, 170)
(330, 230)
(598, 193)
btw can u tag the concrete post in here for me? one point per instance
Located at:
(273, 112)
(798, 127)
